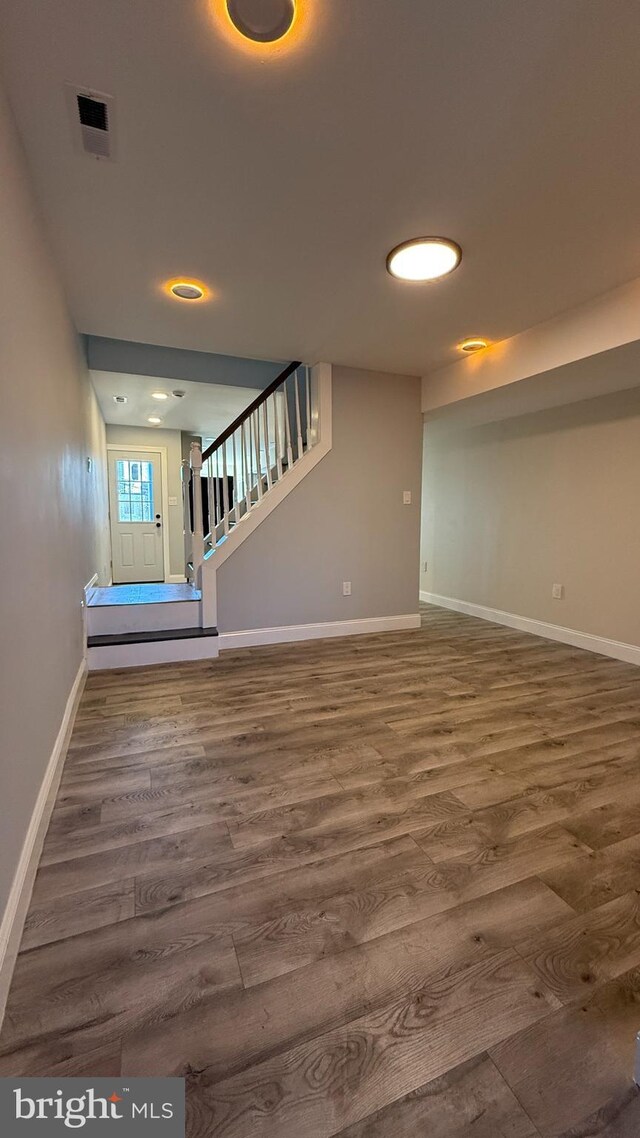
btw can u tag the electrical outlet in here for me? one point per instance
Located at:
(557, 592)
(406, 497)
(346, 588)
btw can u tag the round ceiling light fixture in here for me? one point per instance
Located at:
(472, 344)
(159, 395)
(154, 419)
(186, 290)
(424, 259)
(263, 21)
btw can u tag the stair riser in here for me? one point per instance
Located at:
(158, 652)
(111, 619)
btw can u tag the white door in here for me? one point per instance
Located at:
(135, 506)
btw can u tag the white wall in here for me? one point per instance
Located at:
(98, 488)
(49, 547)
(345, 521)
(150, 437)
(511, 508)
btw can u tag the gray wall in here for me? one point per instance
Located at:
(344, 522)
(159, 437)
(513, 507)
(49, 545)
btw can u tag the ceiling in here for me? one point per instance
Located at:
(282, 179)
(206, 408)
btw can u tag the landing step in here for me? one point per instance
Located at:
(146, 594)
(149, 636)
(151, 646)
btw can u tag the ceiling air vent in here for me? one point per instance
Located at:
(93, 119)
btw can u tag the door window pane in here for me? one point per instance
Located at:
(134, 481)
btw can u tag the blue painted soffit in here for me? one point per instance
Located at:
(178, 363)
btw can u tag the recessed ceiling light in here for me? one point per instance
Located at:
(153, 419)
(187, 290)
(159, 395)
(119, 399)
(263, 21)
(472, 344)
(178, 394)
(424, 259)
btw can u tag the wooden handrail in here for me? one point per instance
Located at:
(244, 415)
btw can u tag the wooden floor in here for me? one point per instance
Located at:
(381, 887)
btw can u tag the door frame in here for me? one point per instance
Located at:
(164, 494)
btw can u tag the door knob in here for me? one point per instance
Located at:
(158, 524)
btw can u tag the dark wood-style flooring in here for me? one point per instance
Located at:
(378, 887)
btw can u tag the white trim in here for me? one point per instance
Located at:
(164, 491)
(153, 652)
(321, 376)
(630, 653)
(15, 913)
(176, 579)
(285, 634)
(89, 588)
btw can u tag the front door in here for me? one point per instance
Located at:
(135, 506)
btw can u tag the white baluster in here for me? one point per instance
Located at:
(196, 483)
(298, 423)
(267, 444)
(225, 490)
(211, 501)
(278, 436)
(235, 488)
(307, 387)
(256, 435)
(246, 465)
(287, 424)
(215, 505)
(186, 514)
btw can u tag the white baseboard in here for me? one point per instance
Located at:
(630, 653)
(288, 633)
(13, 918)
(176, 579)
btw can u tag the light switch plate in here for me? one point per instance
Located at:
(406, 497)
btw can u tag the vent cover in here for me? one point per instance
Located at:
(93, 119)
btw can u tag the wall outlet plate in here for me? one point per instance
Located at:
(406, 497)
(346, 588)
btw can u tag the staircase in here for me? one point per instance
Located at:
(227, 491)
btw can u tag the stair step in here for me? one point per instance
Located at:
(149, 636)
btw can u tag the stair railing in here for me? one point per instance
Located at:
(223, 484)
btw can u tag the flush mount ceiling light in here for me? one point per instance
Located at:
(159, 395)
(263, 21)
(472, 344)
(424, 259)
(154, 419)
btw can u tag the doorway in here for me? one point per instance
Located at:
(136, 510)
